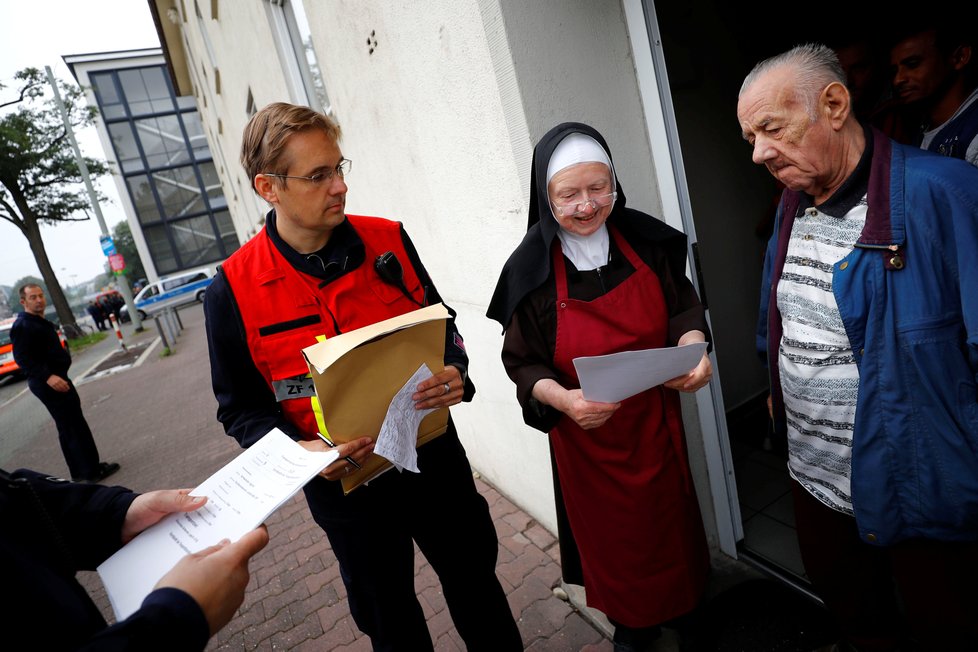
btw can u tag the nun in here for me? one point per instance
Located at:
(592, 277)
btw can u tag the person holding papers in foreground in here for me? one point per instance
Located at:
(592, 277)
(53, 528)
(314, 271)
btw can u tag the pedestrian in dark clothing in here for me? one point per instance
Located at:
(114, 307)
(97, 315)
(38, 352)
(53, 528)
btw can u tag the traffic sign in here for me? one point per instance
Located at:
(108, 246)
(117, 263)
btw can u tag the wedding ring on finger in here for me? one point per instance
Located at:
(448, 388)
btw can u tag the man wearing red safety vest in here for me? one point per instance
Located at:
(314, 270)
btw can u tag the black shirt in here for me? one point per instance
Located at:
(37, 348)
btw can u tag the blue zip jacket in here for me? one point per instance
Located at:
(908, 296)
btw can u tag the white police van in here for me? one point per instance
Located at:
(177, 290)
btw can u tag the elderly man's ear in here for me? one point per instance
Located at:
(835, 103)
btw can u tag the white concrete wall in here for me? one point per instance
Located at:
(572, 61)
(246, 58)
(424, 125)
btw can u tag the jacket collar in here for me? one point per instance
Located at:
(885, 215)
(343, 251)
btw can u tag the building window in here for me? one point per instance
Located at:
(107, 94)
(225, 227)
(179, 191)
(212, 186)
(126, 149)
(163, 156)
(196, 241)
(143, 199)
(163, 141)
(158, 243)
(195, 135)
(204, 35)
(146, 90)
(293, 39)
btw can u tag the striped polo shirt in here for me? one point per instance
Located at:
(819, 377)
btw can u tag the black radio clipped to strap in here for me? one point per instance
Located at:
(389, 269)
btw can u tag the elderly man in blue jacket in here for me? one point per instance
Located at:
(870, 325)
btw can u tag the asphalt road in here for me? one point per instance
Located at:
(22, 415)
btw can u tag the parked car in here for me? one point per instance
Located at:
(172, 291)
(7, 364)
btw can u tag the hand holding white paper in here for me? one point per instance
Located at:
(240, 497)
(617, 376)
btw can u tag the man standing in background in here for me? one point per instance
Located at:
(38, 352)
(935, 74)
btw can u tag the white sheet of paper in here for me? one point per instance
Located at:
(398, 438)
(617, 376)
(240, 497)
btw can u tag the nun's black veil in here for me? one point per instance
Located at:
(529, 265)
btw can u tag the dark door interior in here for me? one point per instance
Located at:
(709, 46)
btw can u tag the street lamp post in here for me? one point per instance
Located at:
(93, 198)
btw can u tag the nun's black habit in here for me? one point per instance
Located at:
(668, 582)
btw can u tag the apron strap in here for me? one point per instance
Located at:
(560, 270)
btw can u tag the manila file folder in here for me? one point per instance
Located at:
(357, 374)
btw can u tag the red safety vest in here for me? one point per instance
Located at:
(284, 310)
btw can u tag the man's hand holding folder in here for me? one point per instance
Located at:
(352, 455)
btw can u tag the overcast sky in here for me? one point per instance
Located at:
(38, 34)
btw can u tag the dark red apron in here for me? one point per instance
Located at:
(627, 487)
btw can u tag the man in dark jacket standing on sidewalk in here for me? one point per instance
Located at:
(38, 352)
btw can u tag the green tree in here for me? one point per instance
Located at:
(39, 176)
(126, 245)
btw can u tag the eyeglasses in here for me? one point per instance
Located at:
(576, 207)
(341, 170)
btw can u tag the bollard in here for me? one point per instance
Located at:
(159, 329)
(168, 324)
(118, 331)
